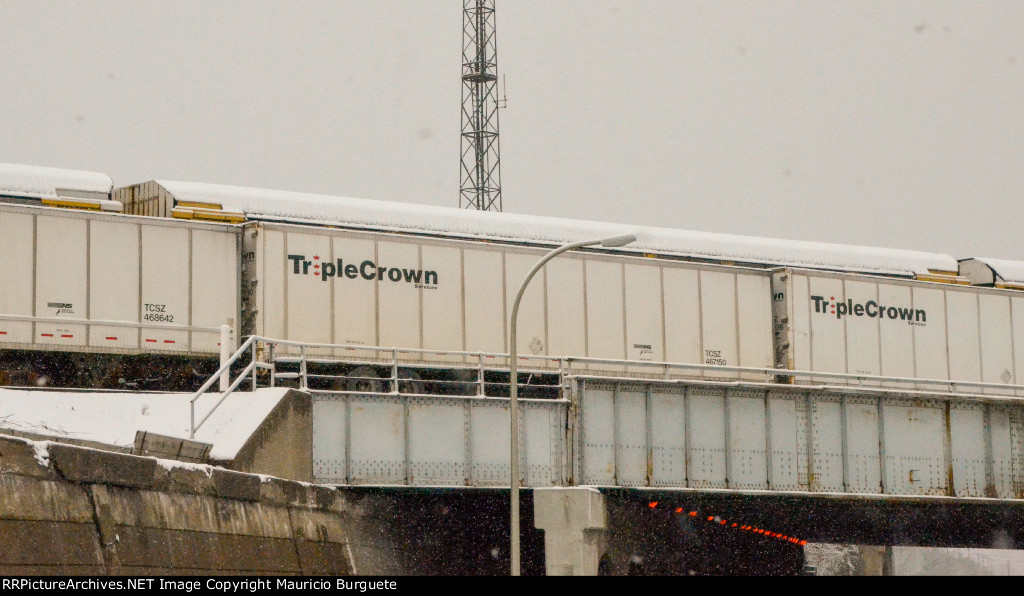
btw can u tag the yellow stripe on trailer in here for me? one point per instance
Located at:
(200, 205)
(219, 216)
(73, 204)
(943, 277)
(208, 215)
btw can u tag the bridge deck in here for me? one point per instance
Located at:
(736, 437)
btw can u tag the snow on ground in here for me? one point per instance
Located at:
(113, 418)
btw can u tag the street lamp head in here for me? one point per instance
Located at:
(617, 241)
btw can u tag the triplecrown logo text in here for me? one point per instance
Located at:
(870, 309)
(367, 270)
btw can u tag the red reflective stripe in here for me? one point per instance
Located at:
(46, 334)
(168, 341)
(62, 335)
(151, 340)
(112, 338)
(3, 333)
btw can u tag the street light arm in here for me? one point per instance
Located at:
(529, 276)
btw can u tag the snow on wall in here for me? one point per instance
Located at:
(40, 182)
(1010, 271)
(408, 217)
(113, 418)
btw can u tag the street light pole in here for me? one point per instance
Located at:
(609, 242)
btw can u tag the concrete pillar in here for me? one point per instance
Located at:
(574, 523)
(875, 560)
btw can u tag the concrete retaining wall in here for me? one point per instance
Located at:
(282, 446)
(73, 510)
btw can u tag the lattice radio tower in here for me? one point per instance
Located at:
(481, 171)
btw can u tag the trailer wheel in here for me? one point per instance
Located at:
(362, 379)
(409, 382)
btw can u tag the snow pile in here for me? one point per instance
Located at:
(34, 181)
(113, 418)
(1010, 271)
(42, 454)
(407, 217)
(171, 464)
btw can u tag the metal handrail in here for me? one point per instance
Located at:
(224, 367)
(563, 367)
(951, 385)
(568, 361)
(389, 350)
(238, 381)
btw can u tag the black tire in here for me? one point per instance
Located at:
(409, 382)
(362, 379)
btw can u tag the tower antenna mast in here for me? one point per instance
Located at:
(481, 165)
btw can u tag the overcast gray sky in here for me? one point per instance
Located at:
(883, 123)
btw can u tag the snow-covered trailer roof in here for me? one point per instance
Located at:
(53, 187)
(999, 273)
(181, 198)
(38, 182)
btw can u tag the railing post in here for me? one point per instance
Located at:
(302, 368)
(225, 354)
(561, 378)
(480, 376)
(255, 370)
(273, 366)
(394, 370)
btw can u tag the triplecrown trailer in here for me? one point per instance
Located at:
(85, 291)
(869, 327)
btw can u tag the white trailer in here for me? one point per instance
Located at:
(367, 288)
(866, 326)
(89, 282)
